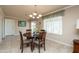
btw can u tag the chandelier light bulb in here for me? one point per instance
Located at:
(33, 17)
(40, 15)
(30, 15)
(35, 14)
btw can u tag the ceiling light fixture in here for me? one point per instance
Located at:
(35, 15)
(30, 15)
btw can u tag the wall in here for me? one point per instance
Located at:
(69, 27)
(69, 24)
(23, 29)
(1, 24)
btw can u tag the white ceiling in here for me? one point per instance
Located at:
(19, 11)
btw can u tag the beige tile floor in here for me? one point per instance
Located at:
(11, 45)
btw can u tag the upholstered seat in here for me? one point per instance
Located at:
(27, 41)
(37, 42)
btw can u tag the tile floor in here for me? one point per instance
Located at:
(11, 45)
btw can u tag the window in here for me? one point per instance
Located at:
(53, 24)
(57, 25)
(33, 26)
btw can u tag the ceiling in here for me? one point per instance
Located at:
(22, 11)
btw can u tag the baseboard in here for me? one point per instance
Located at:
(60, 42)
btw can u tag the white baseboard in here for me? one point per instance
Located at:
(60, 42)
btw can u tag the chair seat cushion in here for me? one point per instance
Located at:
(27, 41)
(37, 42)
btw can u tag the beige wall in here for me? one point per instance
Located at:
(69, 24)
(29, 24)
(69, 27)
(23, 29)
(1, 24)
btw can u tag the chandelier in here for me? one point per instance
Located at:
(35, 15)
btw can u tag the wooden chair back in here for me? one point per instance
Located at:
(28, 35)
(42, 36)
(21, 38)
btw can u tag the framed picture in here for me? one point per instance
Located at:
(22, 23)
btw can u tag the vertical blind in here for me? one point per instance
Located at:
(53, 22)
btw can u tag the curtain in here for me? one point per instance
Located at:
(60, 13)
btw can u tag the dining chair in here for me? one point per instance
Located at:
(41, 41)
(24, 42)
(28, 30)
(28, 33)
(42, 30)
